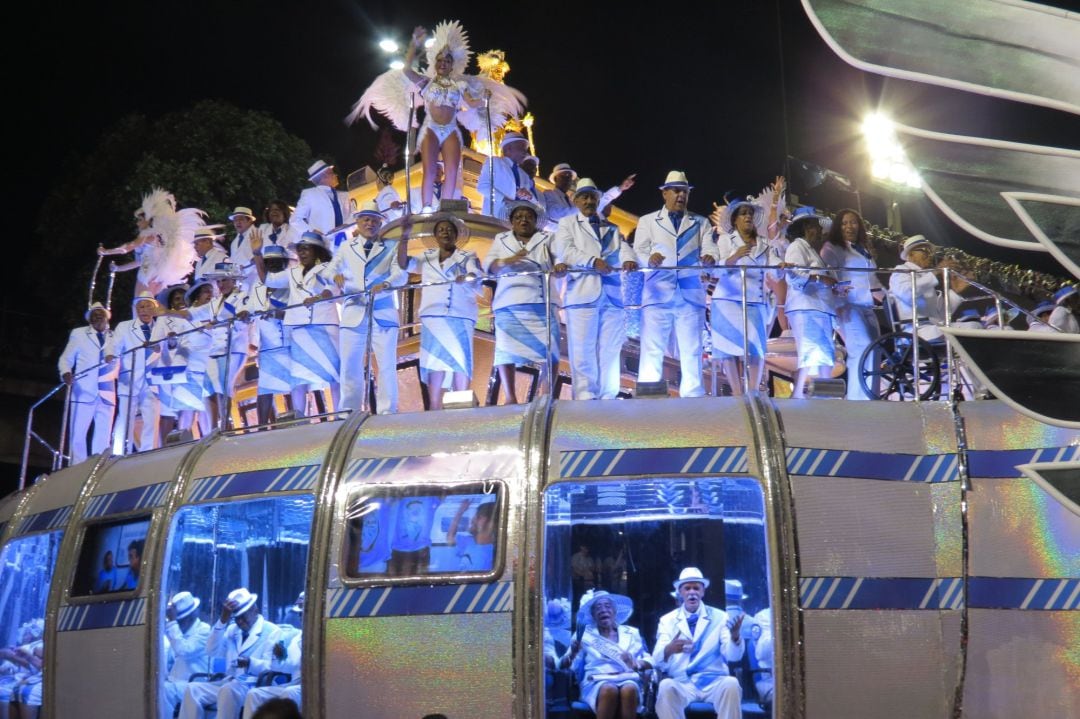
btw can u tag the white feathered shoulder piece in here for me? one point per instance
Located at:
(389, 96)
(171, 251)
(506, 102)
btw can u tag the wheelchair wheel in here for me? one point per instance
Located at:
(886, 372)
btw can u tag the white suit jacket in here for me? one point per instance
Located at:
(655, 233)
(228, 642)
(804, 293)
(451, 299)
(717, 642)
(131, 356)
(188, 650)
(927, 295)
(524, 289)
(82, 352)
(729, 279)
(191, 350)
(315, 212)
(575, 244)
(300, 287)
(271, 331)
(220, 309)
(213, 256)
(508, 177)
(363, 270)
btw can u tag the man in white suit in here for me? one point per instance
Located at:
(366, 263)
(595, 320)
(558, 202)
(510, 181)
(243, 220)
(208, 252)
(322, 207)
(133, 357)
(248, 649)
(674, 299)
(694, 643)
(185, 642)
(93, 391)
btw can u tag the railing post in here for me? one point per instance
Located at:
(915, 337)
(745, 337)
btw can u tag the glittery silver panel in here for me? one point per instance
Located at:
(60, 489)
(1022, 664)
(994, 425)
(700, 422)
(407, 667)
(1020, 530)
(865, 528)
(880, 664)
(904, 427)
(101, 673)
(8, 505)
(294, 446)
(137, 470)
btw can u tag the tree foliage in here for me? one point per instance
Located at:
(214, 156)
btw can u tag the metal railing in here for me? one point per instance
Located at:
(59, 452)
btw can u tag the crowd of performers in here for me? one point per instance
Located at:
(312, 303)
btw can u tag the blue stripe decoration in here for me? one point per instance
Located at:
(1024, 593)
(46, 520)
(103, 615)
(881, 593)
(377, 467)
(495, 597)
(678, 460)
(148, 497)
(939, 593)
(931, 469)
(260, 481)
(1003, 463)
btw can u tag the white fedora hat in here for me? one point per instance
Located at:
(318, 168)
(691, 574)
(561, 168)
(913, 242)
(185, 604)
(243, 599)
(676, 178)
(585, 184)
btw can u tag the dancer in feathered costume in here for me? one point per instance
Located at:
(165, 246)
(449, 96)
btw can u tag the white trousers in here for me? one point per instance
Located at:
(229, 697)
(594, 338)
(353, 344)
(724, 694)
(260, 695)
(859, 328)
(171, 694)
(658, 321)
(99, 413)
(147, 405)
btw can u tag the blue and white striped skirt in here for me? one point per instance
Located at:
(446, 345)
(726, 319)
(521, 335)
(813, 332)
(313, 350)
(275, 371)
(216, 381)
(187, 395)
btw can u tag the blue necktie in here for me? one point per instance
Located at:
(676, 219)
(101, 339)
(337, 207)
(368, 245)
(274, 235)
(146, 332)
(595, 222)
(691, 621)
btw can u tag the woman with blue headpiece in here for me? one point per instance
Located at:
(810, 305)
(609, 657)
(742, 244)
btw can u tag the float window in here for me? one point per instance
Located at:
(260, 545)
(111, 557)
(26, 570)
(403, 532)
(633, 538)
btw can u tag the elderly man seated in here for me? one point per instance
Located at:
(694, 643)
(185, 649)
(247, 646)
(286, 660)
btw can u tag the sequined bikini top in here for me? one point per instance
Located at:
(444, 93)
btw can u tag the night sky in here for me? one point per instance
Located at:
(721, 90)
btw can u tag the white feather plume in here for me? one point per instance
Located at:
(506, 102)
(449, 35)
(170, 251)
(389, 96)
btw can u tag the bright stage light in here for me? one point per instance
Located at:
(397, 65)
(888, 162)
(388, 45)
(429, 42)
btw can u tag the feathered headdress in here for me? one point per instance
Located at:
(449, 36)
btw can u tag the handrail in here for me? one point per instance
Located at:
(746, 272)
